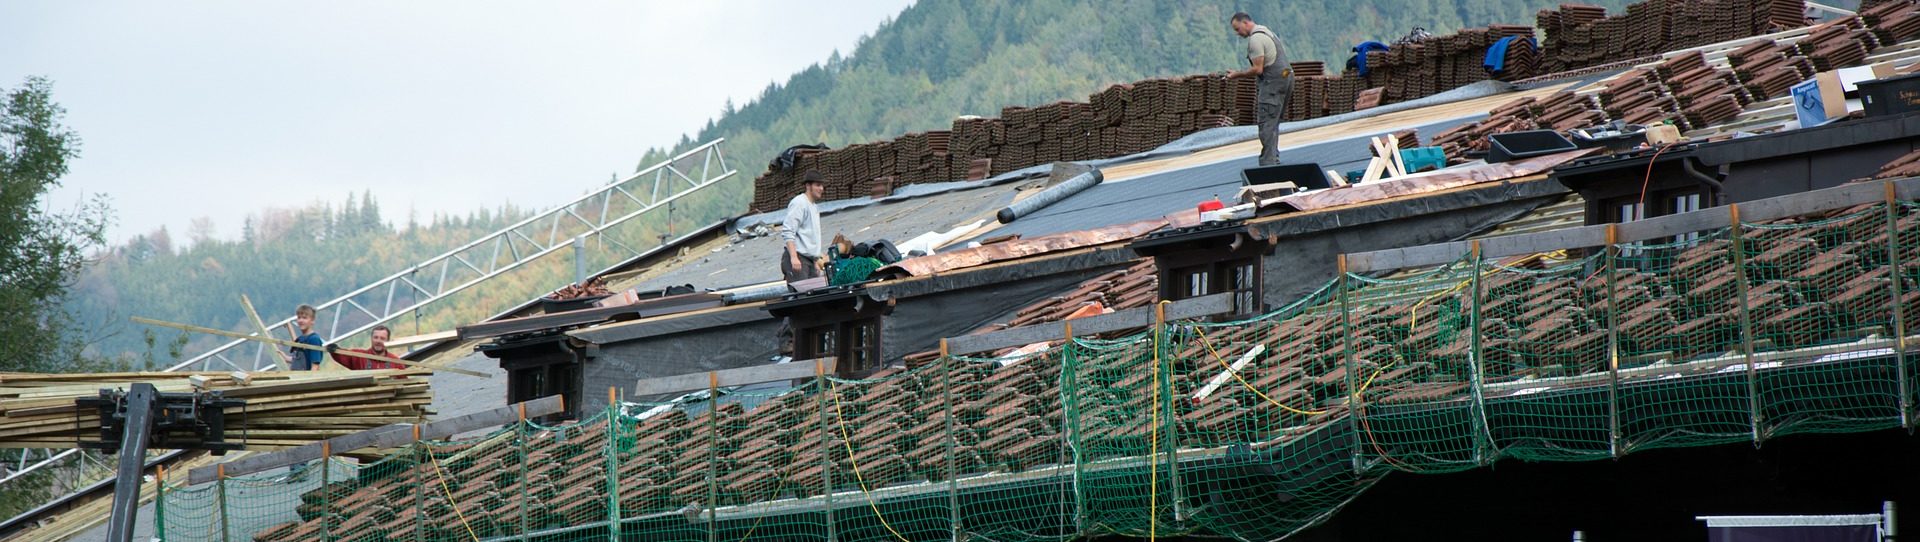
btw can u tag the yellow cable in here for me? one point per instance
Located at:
(1153, 468)
(763, 517)
(840, 419)
(1413, 317)
(1243, 381)
(450, 503)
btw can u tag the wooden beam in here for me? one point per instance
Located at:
(291, 344)
(1184, 309)
(382, 437)
(423, 338)
(729, 377)
(261, 325)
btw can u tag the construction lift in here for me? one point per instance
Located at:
(142, 417)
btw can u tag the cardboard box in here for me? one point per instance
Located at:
(1832, 94)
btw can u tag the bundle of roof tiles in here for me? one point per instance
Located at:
(1692, 93)
(1122, 119)
(1581, 35)
(1426, 67)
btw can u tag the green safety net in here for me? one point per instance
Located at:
(1252, 429)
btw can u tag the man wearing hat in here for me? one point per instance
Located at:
(801, 229)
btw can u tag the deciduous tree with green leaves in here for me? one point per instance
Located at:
(41, 252)
(42, 249)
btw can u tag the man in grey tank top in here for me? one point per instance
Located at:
(1267, 63)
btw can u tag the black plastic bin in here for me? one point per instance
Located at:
(1890, 96)
(1307, 176)
(1517, 145)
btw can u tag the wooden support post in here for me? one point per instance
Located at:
(613, 464)
(1746, 319)
(1895, 272)
(160, 502)
(220, 494)
(326, 490)
(419, 487)
(1346, 355)
(520, 443)
(1070, 403)
(1483, 441)
(1172, 417)
(1609, 264)
(826, 448)
(713, 457)
(953, 441)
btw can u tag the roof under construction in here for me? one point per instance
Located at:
(1434, 322)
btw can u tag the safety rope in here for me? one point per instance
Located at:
(1413, 315)
(1243, 381)
(449, 491)
(839, 419)
(777, 490)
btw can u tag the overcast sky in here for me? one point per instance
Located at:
(219, 109)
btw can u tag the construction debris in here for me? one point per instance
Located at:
(595, 287)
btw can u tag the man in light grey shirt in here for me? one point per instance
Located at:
(801, 259)
(1267, 63)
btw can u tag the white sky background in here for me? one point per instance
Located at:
(220, 109)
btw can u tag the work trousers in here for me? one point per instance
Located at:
(1271, 103)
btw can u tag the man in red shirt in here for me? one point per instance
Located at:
(379, 337)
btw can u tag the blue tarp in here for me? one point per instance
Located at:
(1496, 60)
(1360, 53)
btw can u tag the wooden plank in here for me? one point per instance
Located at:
(1184, 309)
(387, 436)
(730, 377)
(1548, 241)
(270, 389)
(1396, 258)
(261, 325)
(291, 344)
(423, 338)
(1491, 247)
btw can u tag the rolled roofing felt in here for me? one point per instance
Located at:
(1049, 196)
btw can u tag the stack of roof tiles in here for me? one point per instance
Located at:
(1560, 111)
(1693, 93)
(1122, 119)
(1139, 116)
(1423, 68)
(1136, 117)
(1135, 286)
(1581, 35)
(1907, 165)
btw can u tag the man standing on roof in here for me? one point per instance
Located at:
(1266, 61)
(801, 258)
(377, 339)
(801, 229)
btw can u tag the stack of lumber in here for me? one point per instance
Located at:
(284, 409)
